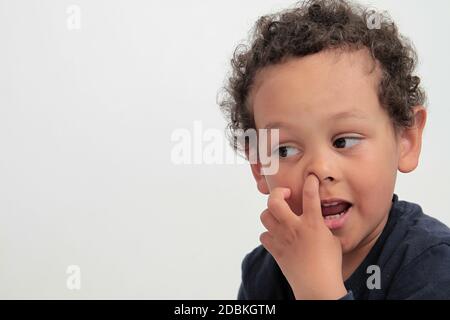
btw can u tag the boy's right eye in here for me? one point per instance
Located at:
(285, 151)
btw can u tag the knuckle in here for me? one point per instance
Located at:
(263, 215)
(265, 224)
(264, 238)
(264, 218)
(273, 204)
(289, 237)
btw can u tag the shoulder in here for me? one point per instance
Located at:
(257, 266)
(417, 231)
(261, 277)
(256, 260)
(418, 252)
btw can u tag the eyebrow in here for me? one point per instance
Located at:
(336, 116)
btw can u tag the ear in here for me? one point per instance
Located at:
(260, 179)
(410, 140)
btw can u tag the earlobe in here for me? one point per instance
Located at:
(411, 142)
(260, 179)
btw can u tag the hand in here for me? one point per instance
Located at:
(306, 251)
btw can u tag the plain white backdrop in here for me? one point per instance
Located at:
(86, 119)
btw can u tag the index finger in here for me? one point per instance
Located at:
(311, 199)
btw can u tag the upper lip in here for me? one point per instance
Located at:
(330, 200)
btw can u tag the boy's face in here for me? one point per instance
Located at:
(355, 157)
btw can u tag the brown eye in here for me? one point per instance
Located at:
(286, 151)
(340, 142)
(282, 152)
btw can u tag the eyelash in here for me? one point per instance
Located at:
(352, 138)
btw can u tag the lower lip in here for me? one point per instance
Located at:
(334, 224)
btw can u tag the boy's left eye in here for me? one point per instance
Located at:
(342, 141)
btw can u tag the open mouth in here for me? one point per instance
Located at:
(335, 214)
(332, 212)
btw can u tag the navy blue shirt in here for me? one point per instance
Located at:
(412, 253)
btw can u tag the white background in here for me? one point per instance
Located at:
(86, 118)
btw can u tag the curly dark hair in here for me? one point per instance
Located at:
(313, 26)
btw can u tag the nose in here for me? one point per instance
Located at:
(322, 165)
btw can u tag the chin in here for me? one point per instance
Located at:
(346, 244)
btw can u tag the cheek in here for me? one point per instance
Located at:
(283, 178)
(372, 175)
(368, 170)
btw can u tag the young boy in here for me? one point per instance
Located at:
(321, 73)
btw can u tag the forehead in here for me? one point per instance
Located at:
(329, 84)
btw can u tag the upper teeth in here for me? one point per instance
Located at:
(330, 204)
